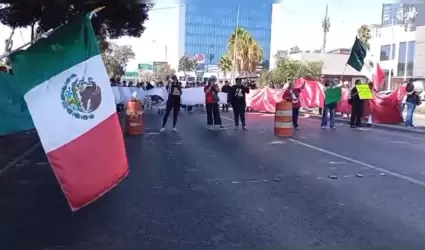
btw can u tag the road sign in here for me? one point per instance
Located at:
(157, 66)
(132, 74)
(200, 58)
(145, 66)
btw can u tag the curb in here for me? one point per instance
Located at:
(399, 128)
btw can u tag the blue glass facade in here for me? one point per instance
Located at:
(209, 24)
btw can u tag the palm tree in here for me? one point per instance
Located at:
(244, 51)
(225, 65)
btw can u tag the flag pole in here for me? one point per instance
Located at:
(44, 35)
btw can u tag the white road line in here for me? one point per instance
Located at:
(19, 158)
(360, 163)
(226, 118)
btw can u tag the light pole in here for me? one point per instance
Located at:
(408, 21)
(235, 45)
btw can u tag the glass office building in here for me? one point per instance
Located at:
(209, 24)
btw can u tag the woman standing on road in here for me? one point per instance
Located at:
(211, 102)
(412, 100)
(173, 103)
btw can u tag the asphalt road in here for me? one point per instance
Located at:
(198, 188)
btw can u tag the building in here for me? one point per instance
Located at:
(375, 30)
(419, 62)
(344, 51)
(395, 50)
(393, 13)
(205, 26)
(334, 66)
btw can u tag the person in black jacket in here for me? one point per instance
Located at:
(173, 103)
(226, 89)
(356, 107)
(237, 98)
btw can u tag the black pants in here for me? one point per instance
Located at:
(175, 106)
(225, 107)
(356, 114)
(239, 113)
(213, 114)
(295, 115)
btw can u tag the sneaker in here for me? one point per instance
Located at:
(352, 126)
(333, 127)
(245, 128)
(210, 127)
(162, 130)
(297, 128)
(174, 130)
(323, 127)
(222, 127)
(236, 127)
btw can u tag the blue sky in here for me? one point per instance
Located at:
(295, 22)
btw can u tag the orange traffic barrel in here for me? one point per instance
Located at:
(283, 119)
(134, 124)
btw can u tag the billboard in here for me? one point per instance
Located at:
(200, 58)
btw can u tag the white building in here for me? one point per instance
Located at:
(393, 47)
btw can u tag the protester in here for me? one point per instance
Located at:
(211, 102)
(173, 103)
(292, 95)
(357, 106)
(329, 107)
(226, 89)
(237, 98)
(412, 100)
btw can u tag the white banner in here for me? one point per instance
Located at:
(158, 96)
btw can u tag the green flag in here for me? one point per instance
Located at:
(358, 55)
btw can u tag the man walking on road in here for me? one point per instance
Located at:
(237, 98)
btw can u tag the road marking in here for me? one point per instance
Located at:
(19, 158)
(226, 118)
(360, 163)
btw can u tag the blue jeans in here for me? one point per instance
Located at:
(409, 116)
(331, 112)
(295, 114)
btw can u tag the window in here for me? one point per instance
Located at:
(386, 50)
(406, 52)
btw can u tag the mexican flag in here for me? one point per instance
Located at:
(362, 60)
(66, 87)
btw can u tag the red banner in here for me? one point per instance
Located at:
(384, 109)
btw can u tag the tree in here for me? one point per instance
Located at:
(294, 50)
(118, 18)
(187, 64)
(244, 51)
(288, 70)
(116, 58)
(363, 33)
(225, 65)
(163, 71)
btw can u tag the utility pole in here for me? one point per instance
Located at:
(326, 24)
(235, 45)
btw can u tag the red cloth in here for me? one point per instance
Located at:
(209, 98)
(287, 96)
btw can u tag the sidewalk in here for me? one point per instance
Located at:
(13, 146)
(418, 121)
